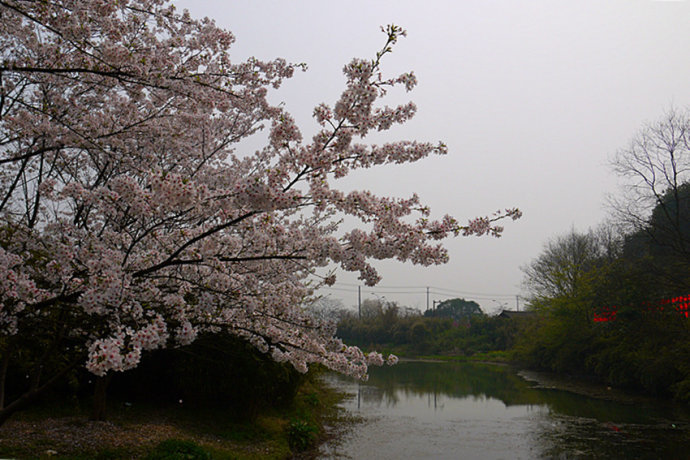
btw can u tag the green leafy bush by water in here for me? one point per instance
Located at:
(301, 435)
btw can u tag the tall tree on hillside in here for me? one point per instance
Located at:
(655, 199)
(655, 168)
(131, 217)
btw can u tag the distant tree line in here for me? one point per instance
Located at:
(456, 327)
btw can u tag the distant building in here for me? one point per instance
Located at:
(513, 314)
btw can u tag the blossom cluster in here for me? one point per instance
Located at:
(134, 214)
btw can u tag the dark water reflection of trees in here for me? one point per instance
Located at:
(453, 379)
(574, 425)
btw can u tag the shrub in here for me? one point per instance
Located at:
(177, 449)
(301, 435)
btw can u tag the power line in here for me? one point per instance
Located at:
(445, 292)
(365, 290)
(471, 296)
(471, 293)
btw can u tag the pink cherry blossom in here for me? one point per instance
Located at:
(133, 214)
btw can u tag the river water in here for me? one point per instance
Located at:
(440, 410)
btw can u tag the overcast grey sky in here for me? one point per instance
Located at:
(532, 98)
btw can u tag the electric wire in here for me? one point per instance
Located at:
(421, 290)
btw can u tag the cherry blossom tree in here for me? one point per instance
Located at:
(132, 216)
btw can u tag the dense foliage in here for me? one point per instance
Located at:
(642, 346)
(605, 303)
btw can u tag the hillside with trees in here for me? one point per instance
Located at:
(612, 303)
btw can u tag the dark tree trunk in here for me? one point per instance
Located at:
(18, 404)
(100, 393)
(32, 394)
(3, 376)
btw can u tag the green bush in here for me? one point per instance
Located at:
(301, 435)
(681, 391)
(177, 449)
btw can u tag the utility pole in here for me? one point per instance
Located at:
(517, 302)
(359, 301)
(427, 297)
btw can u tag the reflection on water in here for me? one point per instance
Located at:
(477, 411)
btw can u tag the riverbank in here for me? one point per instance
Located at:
(550, 380)
(581, 386)
(149, 432)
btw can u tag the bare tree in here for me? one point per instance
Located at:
(655, 168)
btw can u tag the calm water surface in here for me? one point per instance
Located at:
(423, 410)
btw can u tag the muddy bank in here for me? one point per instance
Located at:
(554, 381)
(549, 380)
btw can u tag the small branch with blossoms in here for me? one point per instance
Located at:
(484, 225)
